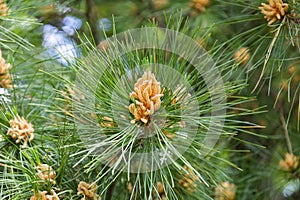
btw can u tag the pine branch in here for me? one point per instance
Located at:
(286, 133)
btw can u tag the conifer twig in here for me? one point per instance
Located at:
(268, 54)
(286, 133)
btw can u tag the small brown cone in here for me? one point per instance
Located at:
(4, 9)
(159, 190)
(5, 77)
(45, 172)
(189, 180)
(225, 191)
(200, 4)
(242, 55)
(88, 190)
(159, 4)
(20, 130)
(42, 195)
(290, 163)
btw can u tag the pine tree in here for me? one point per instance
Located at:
(169, 99)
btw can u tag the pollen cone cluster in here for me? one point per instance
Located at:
(225, 191)
(4, 10)
(46, 173)
(5, 77)
(160, 191)
(159, 4)
(200, 4)
(44, 196)
(146, 95)
(242, 55)
(290, 162)
(87, 190)
(20, 130)
(189, 180)
(274, 11)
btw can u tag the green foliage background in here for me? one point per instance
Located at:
(263, 98)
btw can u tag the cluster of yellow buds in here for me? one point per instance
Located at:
(44, 196)
(4, 9)
(274, 11)
(242, 56)
(200, 4)
(146, 95)
(160, 191)
(159, 4)
(5, 76)
(189, 180)
(295, 72)
(88, 190)
(290, 163)
(45, 172)
(225, 191)
(107, 122)
(20, 130)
